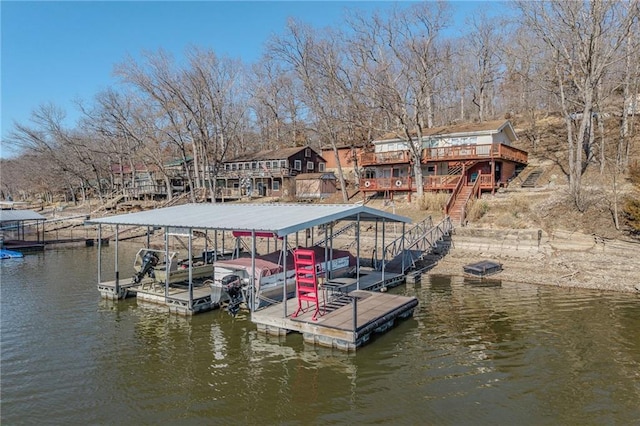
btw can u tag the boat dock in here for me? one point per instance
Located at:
(177, 298)
(349, 308)
(346, 322)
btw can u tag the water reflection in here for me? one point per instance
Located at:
(508, 353)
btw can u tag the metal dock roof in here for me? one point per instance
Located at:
(19, 215)
(280, 219)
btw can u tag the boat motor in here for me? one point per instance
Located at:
(149, 261)
(232, 285)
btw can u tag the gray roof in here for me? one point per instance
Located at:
(19, 215)
(280, 219)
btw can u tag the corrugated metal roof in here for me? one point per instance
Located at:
(280, 219)
(471, 128)
(274, 154)
(19, 215)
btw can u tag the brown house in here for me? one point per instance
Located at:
(268, 173)
(462, 159)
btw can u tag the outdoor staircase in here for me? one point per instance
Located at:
(457, 211)
(532, 179)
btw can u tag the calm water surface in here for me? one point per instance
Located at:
(497, 353)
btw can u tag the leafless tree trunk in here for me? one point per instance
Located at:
(586, 37)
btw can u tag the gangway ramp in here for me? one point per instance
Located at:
(402, 254)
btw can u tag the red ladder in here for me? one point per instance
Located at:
(306, 281)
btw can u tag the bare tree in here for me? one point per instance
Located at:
(585, 38)
(319, 63)
(399, 58)
(482, 47)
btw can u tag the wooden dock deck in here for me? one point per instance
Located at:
(177, 300)
(348, 321)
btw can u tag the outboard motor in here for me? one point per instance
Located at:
(232, 284)
(149, 261)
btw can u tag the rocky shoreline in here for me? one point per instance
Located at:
(560, 258)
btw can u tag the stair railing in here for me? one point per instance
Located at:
(475, 191)
(454, 194)
(423, 243)
(409, 238)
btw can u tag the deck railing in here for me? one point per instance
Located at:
(392, 157)
(250, 173)
(496, 150)
(386, 184)
(475, 191)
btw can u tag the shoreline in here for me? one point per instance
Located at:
(556, 258)
(561, 259)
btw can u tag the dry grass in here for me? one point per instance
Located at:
(433, 201)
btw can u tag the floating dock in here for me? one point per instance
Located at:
(346, 321)
(482, 269)
(176, 300)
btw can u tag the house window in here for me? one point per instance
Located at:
(321, 167)
(283, 164)
(254, 165)
(276, 185)
(307, 152)
(309, 165)
(297, 164)
(274, 164)
(234, 166)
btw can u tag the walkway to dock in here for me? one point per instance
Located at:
(414, 245)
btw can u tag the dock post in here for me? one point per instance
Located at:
(117, 272)
(190, 269)
(285, 244)
(358, 253)
(355, 314)
(99, 253)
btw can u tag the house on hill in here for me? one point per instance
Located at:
(471, 151)
(268, 173)
(462, 159)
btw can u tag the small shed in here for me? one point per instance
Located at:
(315, 185)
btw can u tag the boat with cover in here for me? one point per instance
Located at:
(231, 278)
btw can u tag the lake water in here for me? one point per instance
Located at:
(496, 353)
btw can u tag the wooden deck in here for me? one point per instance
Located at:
(347, 321)
(177, 300)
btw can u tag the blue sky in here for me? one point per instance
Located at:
(55, 51)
